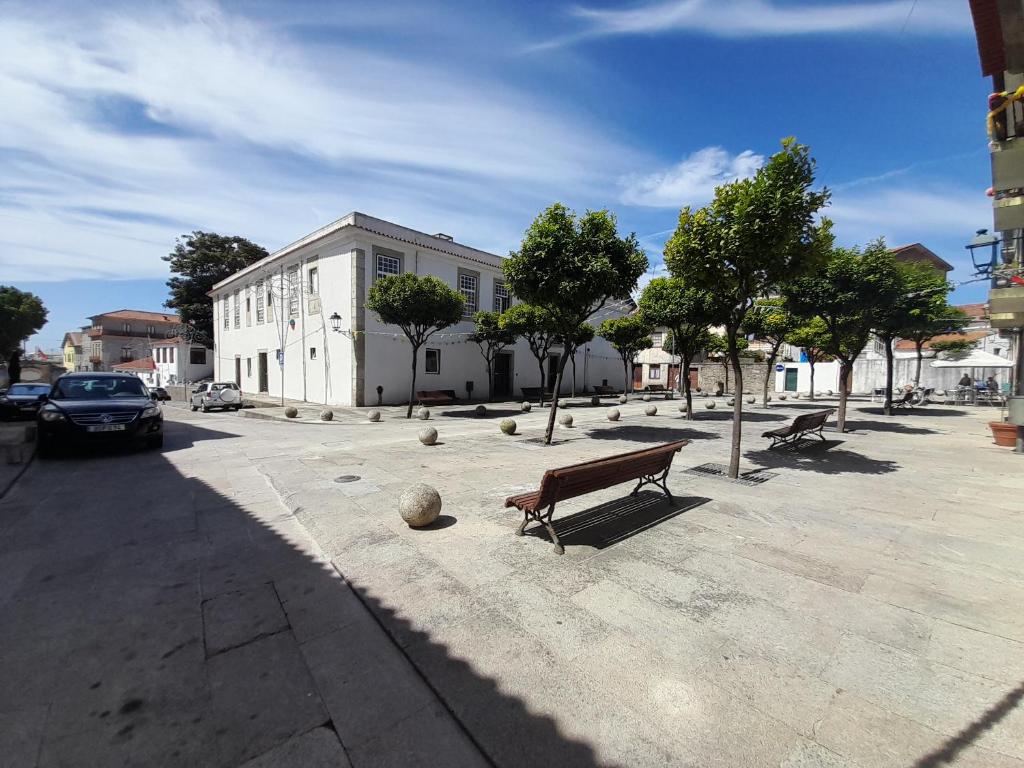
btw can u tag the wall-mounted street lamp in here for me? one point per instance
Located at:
(335, 319)
(983, 252)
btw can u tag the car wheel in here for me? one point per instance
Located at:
(238, 408)
(205, 408)
(192, 407)
(155, 443)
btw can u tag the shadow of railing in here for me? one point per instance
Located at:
(614, 521)
(948, 752)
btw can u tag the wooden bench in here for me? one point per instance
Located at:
(436, 396)
(650, 466)
(804, 424)
(659, 389)
(605, 391)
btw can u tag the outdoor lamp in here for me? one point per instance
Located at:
(335, 319)
(984, 262)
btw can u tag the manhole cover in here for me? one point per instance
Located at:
(346, 479)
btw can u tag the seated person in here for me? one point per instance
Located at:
(965, 381)
(991, 384)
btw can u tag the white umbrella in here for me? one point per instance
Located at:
(976, 358)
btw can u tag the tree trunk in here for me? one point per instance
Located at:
(725, 367)
(811, 396)
(573, 358)
(737, 411)
(540, 365)
(625, 376)
(888, 376)
(919, 345)
(554, 400)
(768, 375)
(412, 387)
(844, 370)
(490, 379)
(685, 383)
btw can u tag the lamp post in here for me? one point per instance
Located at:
(335, 319)
(983, 248)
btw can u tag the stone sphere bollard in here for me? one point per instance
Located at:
(428, 435)
(622, 399)
(682, 407)
(563, 403)
(613, 414)
(782, 396)
(828, 392)
(419, 505)
(710, 405)
(327, 415)
(751, 400)
(646, 398)
(508, 426)
(731, 401)
(796, 395)
(423, 414)
(565, 419)
(769, 398)
(526, 407)
(595, 400)
(480, 410)
(651, 410)
(291, 412)
(373, 415)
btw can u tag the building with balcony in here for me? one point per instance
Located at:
(74, 346)
(274, 335)
(125, 335)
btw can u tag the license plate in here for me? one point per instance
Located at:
(105, 428)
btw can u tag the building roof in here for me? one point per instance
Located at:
(173, 342)
(974, 311)
(142, 364)
(139, 314)
(915, 253)
(75, 338)
(374, 226)
(907, 344)
(988, 30)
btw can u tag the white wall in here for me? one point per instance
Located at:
(826, 377)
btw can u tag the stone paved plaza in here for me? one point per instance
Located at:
(251, 596)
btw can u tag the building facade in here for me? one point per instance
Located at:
(274, 332)
(177, 361)
(125, 335)
(74, 357)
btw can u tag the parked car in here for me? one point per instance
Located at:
(89, 408)
(161, 393)
(216, 394)
(21, 401)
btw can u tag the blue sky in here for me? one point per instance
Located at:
(128, 124)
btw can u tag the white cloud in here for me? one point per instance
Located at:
(692, 181)
(239, 127)
(763, 18)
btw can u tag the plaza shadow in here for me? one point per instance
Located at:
(642, 433)
(704, 414)
(174, 440)
(614, 521)
(192, 632)
(898, 427)
(825, 457)
(938, 411)
(492, 413)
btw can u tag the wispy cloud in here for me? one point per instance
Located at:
(767, 18)
(692, 181)
(124, 129)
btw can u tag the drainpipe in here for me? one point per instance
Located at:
(302, 323)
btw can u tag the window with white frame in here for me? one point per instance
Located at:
(501, 298)
(238, 308)
(654, 373)
(313, 281)
(293, 292)
(97, 348)
(433, 361)
(388, 266)
(126, 327)
(170, 353)
(224, 311)
(197, 356)
(259, 302)
(469, 287)
(151, 330)
(312, 353)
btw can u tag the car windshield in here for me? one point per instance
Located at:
(99, 388)
(33, 390)
(218, 387)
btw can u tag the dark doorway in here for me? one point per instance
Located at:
(693, 377)
(791, 375)
(673, 377)
(261, 358)
(502, 375)
(238, 372)
(638, 376)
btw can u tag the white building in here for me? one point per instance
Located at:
(171, 362)
(273, 324)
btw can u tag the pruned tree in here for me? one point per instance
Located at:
(420, 306)
(584, 335)
(199, 261)
(935, 317)
(571, 266)
(629, 335)
(687, 312)
(755, 234)
(953, 348)
(21, 314)
(812, 337)
(536, 326)
(492, 339)
(769, 321)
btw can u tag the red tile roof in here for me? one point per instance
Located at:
(143, 364)
(139, 314)
(974, 311)
(915, 252)
(907, 345)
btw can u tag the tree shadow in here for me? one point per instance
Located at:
(614, 521)
(187, 629)
(953, 746)
(648, 434)
(817, 456)
(940, 411)
(703, 414)
(492, 413)
(887, 426)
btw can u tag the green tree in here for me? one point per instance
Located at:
(571, 266)
(755, 234)
(812, 337)
(491, 338)
(420, 306)
(770, 321)
(936, 317)
(846, 293)
(199, 261)
(953, 348)
(629, 335)
(717, 348)
(687, 312)
(584, 335)
(535, 326)
(21, 314)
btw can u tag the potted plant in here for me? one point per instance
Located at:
(1003, 433)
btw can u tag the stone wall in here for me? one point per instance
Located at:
(710, 373)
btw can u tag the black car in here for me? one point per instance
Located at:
(160, 392)
(21, 401)
(88, 408)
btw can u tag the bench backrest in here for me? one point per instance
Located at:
(806, 421)
(579, 479)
